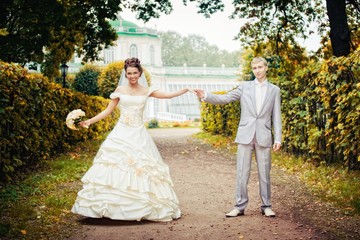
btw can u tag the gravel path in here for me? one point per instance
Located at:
(204, 181)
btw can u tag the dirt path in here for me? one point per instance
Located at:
(204, 181)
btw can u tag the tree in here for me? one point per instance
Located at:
(283, 21)
(339, 30)
(195, 51)
(86, 80)
(51, 31)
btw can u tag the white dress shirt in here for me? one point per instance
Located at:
(260, 93)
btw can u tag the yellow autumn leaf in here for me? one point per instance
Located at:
(23, 232)
(241, 236)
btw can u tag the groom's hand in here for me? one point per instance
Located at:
(276, 146)
(200, 93)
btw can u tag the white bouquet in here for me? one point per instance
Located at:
(74, 117)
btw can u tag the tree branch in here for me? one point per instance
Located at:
(278, 38)
(355, 4)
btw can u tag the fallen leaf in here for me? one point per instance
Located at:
(241, 237)
(23, 232)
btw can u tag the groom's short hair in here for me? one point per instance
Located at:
(259, 59)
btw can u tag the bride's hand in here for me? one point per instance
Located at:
(85, 124)
(191, 90)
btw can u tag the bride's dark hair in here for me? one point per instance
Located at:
(133, 62)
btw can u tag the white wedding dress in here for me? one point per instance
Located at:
(128, 179)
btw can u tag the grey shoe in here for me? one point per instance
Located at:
(268, 212)
(234, 213)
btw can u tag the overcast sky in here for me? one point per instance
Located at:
(218, 30)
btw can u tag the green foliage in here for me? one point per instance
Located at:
(33, 112)
(331, 183)
(279, 21)
(86, 80)
(154, 123)
(69, 79)
(37, 206)
(195, 51)
(221, 119)
(283, 22)
(61, 28)
(321, 111)
(109, 78)
(217, 141)
(208, 7)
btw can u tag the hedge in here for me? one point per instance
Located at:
(320, 112)
(33, 112)
(221, 119)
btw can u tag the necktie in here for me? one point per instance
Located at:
(259, 98)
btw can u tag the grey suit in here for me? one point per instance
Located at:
(254, 133)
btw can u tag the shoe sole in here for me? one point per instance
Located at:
(268, 215)
(240, 214)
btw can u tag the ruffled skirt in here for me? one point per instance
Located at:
(128, 180)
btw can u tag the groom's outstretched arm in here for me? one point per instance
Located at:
(223, 98)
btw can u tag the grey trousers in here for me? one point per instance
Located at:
(263, 159)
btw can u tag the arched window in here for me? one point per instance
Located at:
(133, 51)
(152, 55)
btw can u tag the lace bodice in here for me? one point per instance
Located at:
(131, 108)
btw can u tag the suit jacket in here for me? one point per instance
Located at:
(252, 123)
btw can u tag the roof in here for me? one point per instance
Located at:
(124, 27)
(122, 23)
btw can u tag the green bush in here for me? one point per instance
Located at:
(86, 80)
(221, 119)
(109, 78)
(321, 111)
(154, 123)
(33, 112)
(69, 79)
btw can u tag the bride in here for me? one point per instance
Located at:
(128, 179)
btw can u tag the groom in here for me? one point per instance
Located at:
(260, 102)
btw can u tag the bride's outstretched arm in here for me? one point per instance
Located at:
(110, 108)
(167, 95)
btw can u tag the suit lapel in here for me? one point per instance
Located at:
(268, 94)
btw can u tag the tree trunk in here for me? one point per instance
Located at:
(339, 30)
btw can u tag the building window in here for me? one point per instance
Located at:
(109, 55)
(133, 51)
(152, 55)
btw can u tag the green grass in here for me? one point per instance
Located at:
(217, 141)
(330, 183)
(37, 206)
